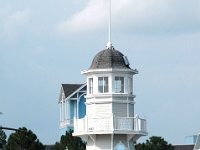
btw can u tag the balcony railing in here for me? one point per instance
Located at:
(67, 122)
(110, 124)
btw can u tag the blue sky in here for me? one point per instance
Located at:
(46, 43)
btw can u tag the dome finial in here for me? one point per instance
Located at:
(109, 44)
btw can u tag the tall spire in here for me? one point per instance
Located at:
(109, 44)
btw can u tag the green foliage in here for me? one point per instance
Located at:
(73, 143)
(154, 143)
(2, 139)
(23, 139)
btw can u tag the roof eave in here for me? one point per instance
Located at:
(135, 71)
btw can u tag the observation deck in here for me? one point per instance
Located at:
(110, 125)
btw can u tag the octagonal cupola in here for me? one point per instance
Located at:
(110, 58)
(110, 73)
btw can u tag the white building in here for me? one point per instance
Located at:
(110, 122)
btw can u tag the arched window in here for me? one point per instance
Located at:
(120, 146)
(81, 107)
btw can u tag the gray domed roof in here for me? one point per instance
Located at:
(109, 58)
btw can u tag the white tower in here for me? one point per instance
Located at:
(110, 123)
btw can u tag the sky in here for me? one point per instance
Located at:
(46, 43)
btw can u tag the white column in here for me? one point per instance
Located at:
(111, 141)
(77, 109)
(78, 105)
(63, 111)
(60, 111)
(68, 110)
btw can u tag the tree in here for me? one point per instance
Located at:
(154, 143)
(24, 139)
(71, 142)
(2, 139)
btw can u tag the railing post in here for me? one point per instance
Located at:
(75, 127)
(86, 123)
(137, 123)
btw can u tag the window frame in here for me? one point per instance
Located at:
(90, 86)
(103, 84)
(119, 84)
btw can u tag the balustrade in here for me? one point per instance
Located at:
(129, 124)
(67, 122)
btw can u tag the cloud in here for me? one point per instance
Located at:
(89, 18)
(16, 22)
(136, 15)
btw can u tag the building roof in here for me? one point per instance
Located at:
(109, 58)
(70, 88)
(183, 147)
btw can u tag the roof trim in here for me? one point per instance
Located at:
(135, 71)
(76, 91)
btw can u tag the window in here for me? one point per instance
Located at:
(120, 146)
(119, 85)
(90, 85)
(103, 84)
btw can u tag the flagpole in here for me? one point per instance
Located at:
(109, 44)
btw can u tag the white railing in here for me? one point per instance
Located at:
(110, 124)
(122, 123)
(99, 124)
(67, 122)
